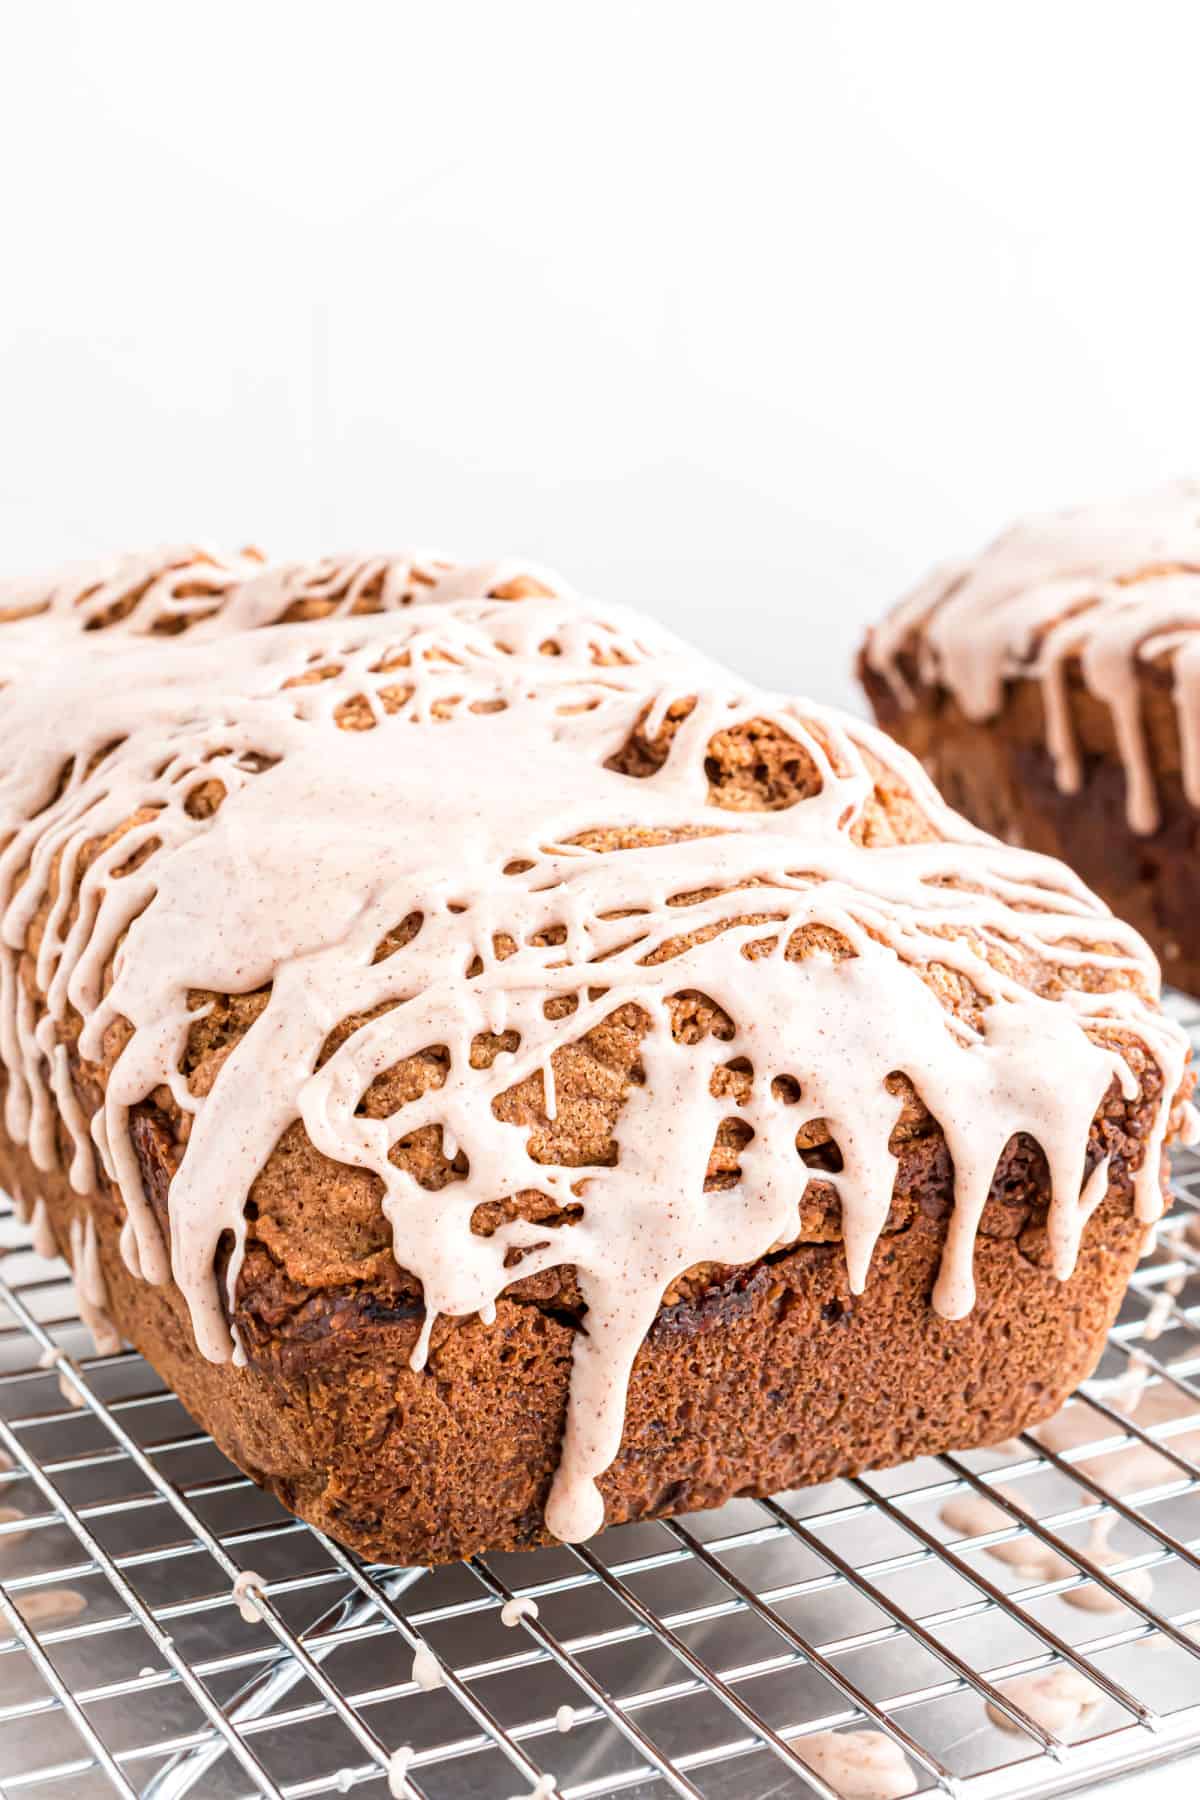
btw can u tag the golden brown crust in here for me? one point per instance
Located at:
(754, 1378)
(774, 1377)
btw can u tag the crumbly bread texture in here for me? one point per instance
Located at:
(1051, 688)
(507, 1075)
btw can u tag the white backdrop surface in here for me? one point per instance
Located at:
(741, 313)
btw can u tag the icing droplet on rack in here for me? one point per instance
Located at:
(861, 1765)
(45, 1606)
(973, 1515)
(1091, 1597)
(399, 1763)
(542, 1789)
(247, 1592)
(10, 1515)
(1057, 1699)
(513, 1611)
(427, 1671)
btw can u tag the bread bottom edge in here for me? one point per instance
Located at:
(777, 1380)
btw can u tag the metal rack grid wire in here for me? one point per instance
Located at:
(692, 1657)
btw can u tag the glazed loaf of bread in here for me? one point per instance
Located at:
(508, 1074)
(1051, 687)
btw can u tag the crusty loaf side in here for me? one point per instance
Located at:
(507, 1075)
(772, 1378)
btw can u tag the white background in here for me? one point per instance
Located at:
(743, 313)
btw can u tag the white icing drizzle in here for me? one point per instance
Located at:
(861, 1765)
(427, 1671)
(564, 1718)
(1111, 586)
(487, 753)
(247, 1593)
(1057, 1699)
(513, 1611)
(164, 589)
(343, 585)
(179, 587)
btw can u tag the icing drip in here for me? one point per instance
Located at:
(1057, 1699)
(45, 1243)
(448, 760)
(564, 1718)
(1158, 1316)
(861, 1765)
(50, 1359)
(513, 1611)
(91, 1292)
(1105, 588)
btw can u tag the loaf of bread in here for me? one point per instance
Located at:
(507, 1073)
(1051, 687)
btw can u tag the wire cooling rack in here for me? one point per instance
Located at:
(692, 1657)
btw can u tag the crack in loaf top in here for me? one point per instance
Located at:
(437, 812)
(1100, 589)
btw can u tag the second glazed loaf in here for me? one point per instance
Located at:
(1051, 686)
